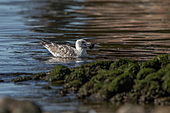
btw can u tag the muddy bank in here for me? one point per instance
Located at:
(115, 81)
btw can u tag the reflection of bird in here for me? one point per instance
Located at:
(67, 51)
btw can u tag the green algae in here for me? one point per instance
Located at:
(157, 62)
(58, 73)
(115, 81)
(166, 80)
(85, 72)
(144, 72)
(20, 79)
(105, 80)
(119, 63)
(39, 76)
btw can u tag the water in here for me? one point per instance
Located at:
(135, 29)
(120, 29)
(20, 49)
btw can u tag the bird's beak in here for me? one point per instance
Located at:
(90, 45)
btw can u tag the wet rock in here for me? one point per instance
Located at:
(98, 65)
(129, 108)
(74, 83)
(103, 80)
(119, 84)
(118, 98)
(39, 76)
(47, 87)
(84, 73)
(8, 105)
(1, 80)
(63, 92)
(107, 80)
(20, 79)
(157, 62)
(58, 73)
(119, 63)
(144, 72)
(154, 84)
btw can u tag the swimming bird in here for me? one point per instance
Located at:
(66, 51)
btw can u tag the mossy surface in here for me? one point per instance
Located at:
(58, 73)
(107, 80)
(114, 81)
(144, 72)
(20, 79)
(39, 76)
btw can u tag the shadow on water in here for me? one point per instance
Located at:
(135, 29)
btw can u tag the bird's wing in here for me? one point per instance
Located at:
(60, 50)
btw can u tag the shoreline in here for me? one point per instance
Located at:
(122, 80)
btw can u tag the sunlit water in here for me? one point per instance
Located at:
(135, 29)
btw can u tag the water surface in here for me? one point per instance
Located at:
(135, 29)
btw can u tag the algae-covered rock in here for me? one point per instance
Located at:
(122, 83)
(166, 80)
(144, 72)
(99, 64)
(119, 63)
(85, 72)
(39, 76)
(108, 80)
(163, 59)
(75, 83)
(97, 81)
(157, 62)
(151, 85)
(120, 80)
(58, 73)
(105, 85)
(20, 79)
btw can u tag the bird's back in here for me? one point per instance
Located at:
(60, 50)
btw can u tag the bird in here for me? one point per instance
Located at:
(66, 51)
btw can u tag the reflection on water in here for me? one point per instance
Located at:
(135, 29)
(71, 62)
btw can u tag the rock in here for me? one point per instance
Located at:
(143, 82)
(119, 63)
(1, 80)
(162, 109)
(39, 76)
(58, 73)
(8, 105)
(47, 87)
(144, 72)
(129, 108)
(20, 79)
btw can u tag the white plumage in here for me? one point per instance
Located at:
(67, 51)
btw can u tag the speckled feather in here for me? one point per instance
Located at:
(67, 51)
(60, 50)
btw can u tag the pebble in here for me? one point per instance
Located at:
(8, 105)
